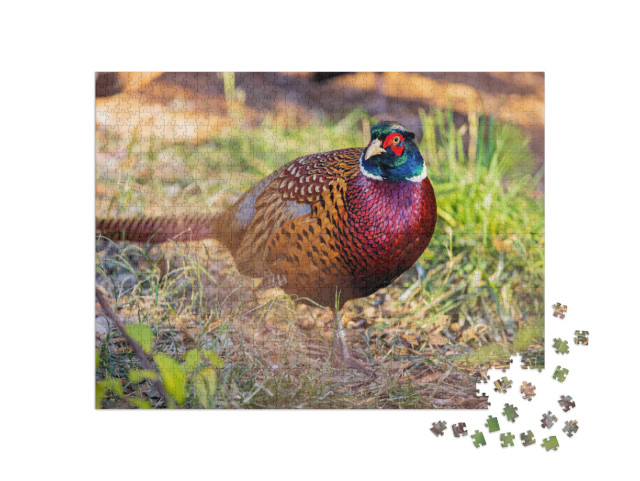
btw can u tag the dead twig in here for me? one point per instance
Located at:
(137, 349)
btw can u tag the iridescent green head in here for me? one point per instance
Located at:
(392, 155)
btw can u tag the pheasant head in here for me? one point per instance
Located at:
(392, 155)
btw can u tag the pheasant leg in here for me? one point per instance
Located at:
(340, 348)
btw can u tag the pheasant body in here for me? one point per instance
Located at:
(335, 225)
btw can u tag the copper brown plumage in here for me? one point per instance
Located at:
(329, 227)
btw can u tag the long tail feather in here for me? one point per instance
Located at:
(159, 229)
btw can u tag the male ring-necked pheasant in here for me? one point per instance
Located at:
(329, 227)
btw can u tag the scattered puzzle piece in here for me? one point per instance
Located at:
(492, 424)
(527, 390)
(570, 427)
(559, 310)
(507, 439)
(478, 439)
(560, 374)
(511, 412)
(567, 403)
(551, 443)
(582, 337)
(561, 347)
(502, 385)
(459, 430)
(548, 420)
(527, 439)
(439, 428)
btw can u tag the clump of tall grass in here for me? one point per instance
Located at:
(490, 232)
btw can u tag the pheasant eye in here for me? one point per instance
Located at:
(395, 141)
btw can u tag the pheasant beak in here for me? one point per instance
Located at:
(374, 149)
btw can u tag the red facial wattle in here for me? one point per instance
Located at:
(396, 142)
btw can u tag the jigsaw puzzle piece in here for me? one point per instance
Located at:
(501, 385)
(560, 374)
(551, 443)
(561, 347)
(548, 420)
(567, 403)
(527, 438)
(478, 439)
(492, 424)
(570, 427)
(582, 337)
(439, 428)
(559, 310)
(510, 412)
(527, 390)
(507, 439)
(459, 430)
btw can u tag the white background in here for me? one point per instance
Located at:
(50, 52)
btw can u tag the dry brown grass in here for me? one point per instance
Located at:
(276, 352)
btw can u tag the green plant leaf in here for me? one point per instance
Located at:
(206, 381)
(173, 376)
(140, 403)
(214, 359)
(112, 384)
(100, 392)
(104, 385)
(139, 375)
(191, 359)
(142, 334)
